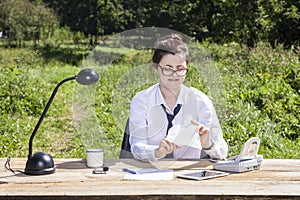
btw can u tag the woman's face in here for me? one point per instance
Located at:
(168, 63)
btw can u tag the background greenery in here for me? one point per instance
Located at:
(246, 22)
(261, 87)
(254, 44)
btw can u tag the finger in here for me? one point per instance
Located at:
(203, 131)
(167, 144)
(163, 146)
(199, 127)
(174, 147)
(204, 137)
(163, 143)
(167, 140)
(171, 145)
(195, 122)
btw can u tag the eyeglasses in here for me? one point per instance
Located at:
(170, 72)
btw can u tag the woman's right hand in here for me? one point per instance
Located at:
(165, 147)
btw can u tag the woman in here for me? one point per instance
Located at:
(154, 111)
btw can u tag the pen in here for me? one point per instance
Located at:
(129, 171)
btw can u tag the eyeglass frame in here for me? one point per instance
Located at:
(173, 71)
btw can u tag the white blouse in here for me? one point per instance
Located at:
(148, 123)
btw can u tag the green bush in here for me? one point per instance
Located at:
(262, 97)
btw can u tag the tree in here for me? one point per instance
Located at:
(245, 22)
(281, 20)
(23, 20)
(92, 17)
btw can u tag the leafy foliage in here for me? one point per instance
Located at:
(22, 20)
(25, 89)
(261, 89)
(262, 99)
(245, 22)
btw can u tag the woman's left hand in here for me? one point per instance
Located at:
(203, 133)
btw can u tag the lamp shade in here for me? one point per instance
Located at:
(87, 76)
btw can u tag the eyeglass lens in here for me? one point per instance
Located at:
(170, 72)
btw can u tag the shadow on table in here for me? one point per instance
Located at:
(76, 164)
(161, 164)
(168, 164)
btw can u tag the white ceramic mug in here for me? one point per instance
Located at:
(94, 158)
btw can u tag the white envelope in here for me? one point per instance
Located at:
(184, 135)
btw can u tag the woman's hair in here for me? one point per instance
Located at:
(170, 44)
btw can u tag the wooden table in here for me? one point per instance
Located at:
(277, 179)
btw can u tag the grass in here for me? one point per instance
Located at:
(256, 93)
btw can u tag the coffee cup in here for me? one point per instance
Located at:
(94, 158)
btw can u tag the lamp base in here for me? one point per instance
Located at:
(39, 164)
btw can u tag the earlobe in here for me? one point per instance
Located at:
(156, 69)
(155, 66)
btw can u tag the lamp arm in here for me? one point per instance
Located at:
(45, 111)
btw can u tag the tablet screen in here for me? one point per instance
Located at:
(203, 174)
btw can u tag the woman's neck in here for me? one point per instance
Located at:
(170, 95)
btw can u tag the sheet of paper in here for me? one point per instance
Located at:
(151, 174)
(184, 135)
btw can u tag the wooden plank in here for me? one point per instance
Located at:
(276, 179)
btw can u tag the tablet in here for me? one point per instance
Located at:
(203, 174)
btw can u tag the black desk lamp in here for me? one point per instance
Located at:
(41, 163)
